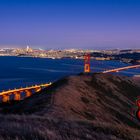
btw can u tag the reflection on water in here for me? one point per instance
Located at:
(49, 70)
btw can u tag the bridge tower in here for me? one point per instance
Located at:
(138, 111)
(87, 63)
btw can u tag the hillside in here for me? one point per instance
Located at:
(98, 106)
(136, 79)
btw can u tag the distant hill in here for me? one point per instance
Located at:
(135, 56)
(98, 106)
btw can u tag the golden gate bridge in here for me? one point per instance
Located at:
(35, 89)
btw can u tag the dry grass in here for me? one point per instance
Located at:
(22, 127)
(83, 107)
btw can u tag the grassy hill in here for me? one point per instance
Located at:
(98, 106)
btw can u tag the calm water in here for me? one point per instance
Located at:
(20, 72)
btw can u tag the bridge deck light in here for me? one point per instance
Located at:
(21, 89)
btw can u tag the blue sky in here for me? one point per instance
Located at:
(58, 24)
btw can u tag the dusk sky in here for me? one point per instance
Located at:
(59, 24)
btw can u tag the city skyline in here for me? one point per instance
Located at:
(85, 24)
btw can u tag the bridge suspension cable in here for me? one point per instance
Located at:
(121, 69)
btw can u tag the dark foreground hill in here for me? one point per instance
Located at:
(98, 106)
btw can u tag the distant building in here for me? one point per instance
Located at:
(28, 49)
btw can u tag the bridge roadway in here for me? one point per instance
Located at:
(17, 92)
(121, 69)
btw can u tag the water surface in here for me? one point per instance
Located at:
(18, 72)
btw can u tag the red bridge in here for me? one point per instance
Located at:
(121, 69)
